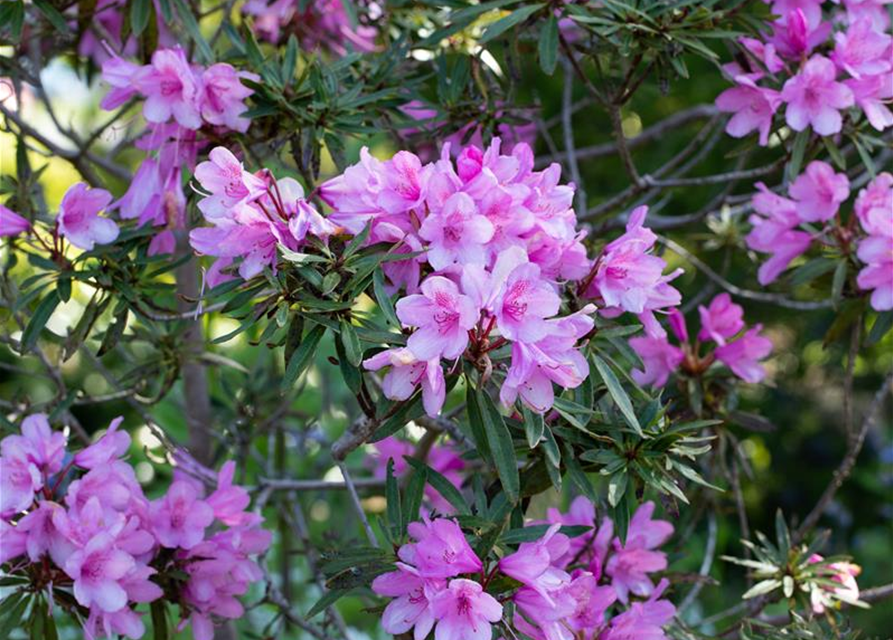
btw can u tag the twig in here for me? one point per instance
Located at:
(706, 564)
(357, 505)
(568, 130)
(285, 484)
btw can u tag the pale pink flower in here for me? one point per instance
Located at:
(403, 184)
(765, 52)
(120, 74)
(532, 563)
(443, 317)
(229, 501)
(643, 620)
(113, 444)
(752, 105)
(874, 206)
(464, 612)
(11, 223)
(180, 518)
(227, 181)
(524, 303)
(815, 97)
(721, 319)
(457, 234)
(223, 95)
(862, 50)
(13, 542)
(79, 221)
(877, 276)
(774, 233)
(633, 561)
(819, 191)
(19, 480)
(97, 571)
(39, 444)
(171, 88)
(872, 95)
(660, 358)
(411, 608)
(441, 550)
(742, 356)
(407, 373)
(580, 513)
(844, 573)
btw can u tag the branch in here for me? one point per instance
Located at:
(357, 505)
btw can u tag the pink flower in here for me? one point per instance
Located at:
(120, 74)
(773, 232)
(403, 183)
(872, 94)
(764, 52)
(97, 571)
(457, 234)
(752, 105)
(815, 98)
(19, 480)
(229, 184)
(532, 563)
(862, 50)
(797, 35)
(659, 357)
(79, 219)
(580, 513)
(113, 444)
(464, 612)
(42, 446)
(876, 252)
(411, 607)
(441, 550)
(721, 319)
(125, 621)
(407, 373)
(874, 205)
(223, 95)
(742, 356)
(443, 317)
(819, 192)
(810, 9)
(13, 542)
(229, 501)
(171, 89)
(631, 563)
(11, 223)
(643, 620)
(524, 302)
(180, 518)
(844, 573)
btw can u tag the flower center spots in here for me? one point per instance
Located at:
(616, 272)
(515, 305)
(417, 596)
(449, 556)
(170, 86)
(463, 605)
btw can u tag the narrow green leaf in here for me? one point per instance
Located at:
(328, 599)
(504, 24)
(617, 487)
(352, 348)
(383, 299)
(500, 441)
(839, 280)
(38, 321)
(797, 152)
(140, 10)
(302, 357)
(205, 55)
(415, 491)
(158, 610)
(409, 410)
(577, 475)
(443, 486)
(392, 495)
(52, 15)
(548, 47)
(533, 426)
(619, 395)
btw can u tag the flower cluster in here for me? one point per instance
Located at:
(324, 24)
(491, 244)
(563, 587)
(823, 73)
(722, 323)
(785, 226)
(180, 100)
(844, 573)
(79, 525)
(443, 459)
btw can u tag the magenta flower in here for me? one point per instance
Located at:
(523, 304)
(42, 446)
(171, 89)
(443, 317)
(742, 356)
(11, 223)
(464, 612)
(120, 74)
(229, 184)
(581, 512)
(872, 94)
(441, 550)
(815, 97)
(660, 358)
(811, 10)
(721, 319)
(97, 571)
(113, 444)
(752, 105)
(797, 35)
(403, 183)
(180, 518)
(79, 219)
(631, 562)
(457, 234)
(643, 620)
(407, 373)
(874, 205)
(411, 607)
(12, 541)
(532, 563)
(774, 233)
(229, 501)
(862, 50)
(223, 95)
(19, 480)
(819, 191)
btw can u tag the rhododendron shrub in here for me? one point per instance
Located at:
(475, 320)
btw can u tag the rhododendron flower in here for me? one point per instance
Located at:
(443, 317)
(811, 10)
(38, 443)
(643, 620)
(79, 221)
(228, 183)
(19, 480)
(403, 185)
(171, 89)
(523, 304)
(120, 74)
(659, 357)
(814, 97)
(411, 608)
(872, 94)
(721, 319)
(13, 541)
(796, 35)
(464, 612)
(819, 191)
(223, 95)
(97, 571)
(632, 561)
(532, 563)
(844, 573)
(229, 501)
(11, 223)
(180, 518)
(580, 513)
(457, 234)
(407, 373)
(752, 105)
(441, 550)
(742, 356)
(774, 232)
(113, 444)
(862, 50)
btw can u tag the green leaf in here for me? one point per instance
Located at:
(548, 47)
(409, 410)
(52, 15)
(352, 348)
(500, 441)
(140, 10)
(476, 422)
(443, 486)
(839, 280)
(504, 24)
(782, 535)
(357, 242)
(38, 321)
(797, 152)
(12, 16)
(533, 426)
(302, 357)
(415, 491)
(577, 475)
(205, 54)
(160, 629)
(618, 394)
(392, 495)
(15, 614)
(617, 487)
(328, 599)
(881, 326)
(383, 299)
